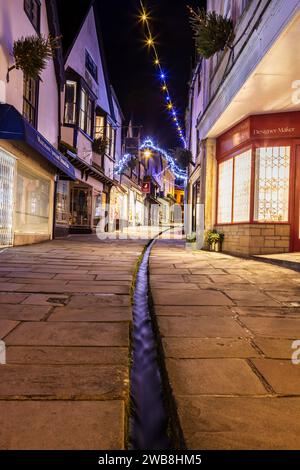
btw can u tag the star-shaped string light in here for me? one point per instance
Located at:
(151, 44)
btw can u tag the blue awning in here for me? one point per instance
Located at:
(14, 127)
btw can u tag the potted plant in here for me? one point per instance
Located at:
(191, 242)
(214, 240)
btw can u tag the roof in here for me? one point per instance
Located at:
(71, 31)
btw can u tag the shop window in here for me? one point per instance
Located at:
(7, 172)
(91, 66)
(225, 191)
(70, 102)
(62, 202)
(86, 112)
(33, 11)
(272, 184)
(235, 189)
(32, 202)
(30, 100)
(242, 187)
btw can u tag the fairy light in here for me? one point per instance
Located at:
(145, 18)
(148, 148)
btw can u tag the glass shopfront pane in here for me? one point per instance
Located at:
(225, 191)
(62, 202)
(242, 185)
(32, 202)
(7, 172)
(272, 184)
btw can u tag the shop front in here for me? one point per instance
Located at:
(29, 166)
(258, 185)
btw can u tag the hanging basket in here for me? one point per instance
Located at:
(32, 53)
(212, 32)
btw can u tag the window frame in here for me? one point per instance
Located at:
(75, 103)
(88, 59)
(91, 101)
(37, 26)
(254, 145)
(35, 105)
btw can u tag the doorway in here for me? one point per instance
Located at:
(81, 209)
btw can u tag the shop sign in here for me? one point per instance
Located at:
(146, 186)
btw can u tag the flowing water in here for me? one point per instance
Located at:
(148, 421)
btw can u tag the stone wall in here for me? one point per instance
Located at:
(255, 239)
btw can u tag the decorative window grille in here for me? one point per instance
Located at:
(242, 186)
(272, 184)
(7, 172)
(225, 191)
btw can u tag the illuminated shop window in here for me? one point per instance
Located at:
(242, 185)
(7, 174)
(225, 191)
(32, 202)
(272, 184)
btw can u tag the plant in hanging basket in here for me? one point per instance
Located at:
(100, 145)
(32, 53)
(212, 32)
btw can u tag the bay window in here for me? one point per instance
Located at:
(272, 169)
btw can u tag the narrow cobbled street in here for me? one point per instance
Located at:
(226, 326)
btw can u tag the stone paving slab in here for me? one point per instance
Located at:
(201, 327)
(181, 297)
(91, 314)
(200, 348)
(69, 334)
(23, 312)
(213, 377)
(274, 327)
(66, 355)
(193, 310)
(224, 423)
(282, 375)
(6, 326)
(275, 348)
(62, 425)
(64, 382)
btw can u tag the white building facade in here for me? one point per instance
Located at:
(30, 163)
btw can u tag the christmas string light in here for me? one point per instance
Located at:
(178, 172)
(149, 146)
(122, 163)
(150, 42)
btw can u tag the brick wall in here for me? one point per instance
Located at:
(255, 239)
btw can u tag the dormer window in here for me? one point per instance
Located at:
(90, 66)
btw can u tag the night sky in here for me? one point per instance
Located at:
(131, 69)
